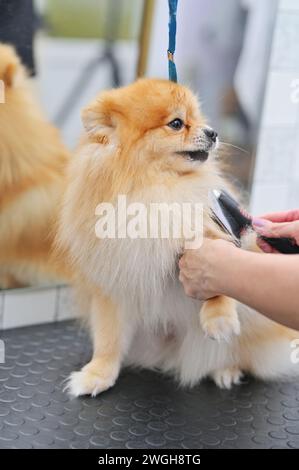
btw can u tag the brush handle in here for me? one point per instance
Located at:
(283, 245)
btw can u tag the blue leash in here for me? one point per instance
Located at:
(173, 4)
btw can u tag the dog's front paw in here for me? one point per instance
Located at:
(225, 378)
(89, 381)
(219, 318)
(221, 327)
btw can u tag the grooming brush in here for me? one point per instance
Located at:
(228, 214)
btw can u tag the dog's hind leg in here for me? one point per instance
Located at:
(266, 349)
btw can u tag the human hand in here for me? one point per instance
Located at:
(277, 225)
(199, 269)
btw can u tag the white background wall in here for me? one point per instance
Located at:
(276, 177)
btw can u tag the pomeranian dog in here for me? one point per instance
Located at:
(32, 164)
(149, 142)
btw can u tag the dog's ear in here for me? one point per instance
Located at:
(99, 119)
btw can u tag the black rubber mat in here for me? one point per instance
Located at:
(143, 410)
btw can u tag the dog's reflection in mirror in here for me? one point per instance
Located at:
(32, 163)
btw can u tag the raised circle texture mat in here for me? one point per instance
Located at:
(143, 410)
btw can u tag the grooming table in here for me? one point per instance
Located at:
(143, 410)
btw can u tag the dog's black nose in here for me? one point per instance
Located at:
(211, 134)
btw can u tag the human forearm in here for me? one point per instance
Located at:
(267, 283)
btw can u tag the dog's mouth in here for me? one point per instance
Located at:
(195, 155)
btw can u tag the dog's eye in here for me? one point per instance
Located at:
(176, 124)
